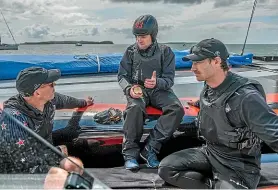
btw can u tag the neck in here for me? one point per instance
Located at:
(217, 80)
(35, 103)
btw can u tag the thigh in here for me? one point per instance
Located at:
(193, 159)
(163, 98)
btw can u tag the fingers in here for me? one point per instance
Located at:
(134, 89)
(71, 167)
(150, 80)
(133, 95)
(149, 85)
(55, 178)
(154, 75)
(64, 149)
(90, 100)
(190, 103)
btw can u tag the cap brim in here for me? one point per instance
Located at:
(194, 57)
(53, 75)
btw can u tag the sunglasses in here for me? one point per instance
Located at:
(200, 50)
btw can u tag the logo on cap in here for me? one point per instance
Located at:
(217, 53)
(139, 24)
(36, 86)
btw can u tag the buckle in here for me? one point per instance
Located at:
(243, 145)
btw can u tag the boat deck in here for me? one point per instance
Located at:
(105, 89)
(119, 178)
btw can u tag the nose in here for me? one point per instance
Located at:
(193, 67)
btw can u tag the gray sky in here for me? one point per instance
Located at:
(179, 20)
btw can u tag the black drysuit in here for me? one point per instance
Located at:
(136, 66)
(234, 118)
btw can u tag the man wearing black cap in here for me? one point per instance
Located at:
(234, 117)
(34, 106)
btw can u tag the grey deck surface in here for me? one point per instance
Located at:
(105, 89)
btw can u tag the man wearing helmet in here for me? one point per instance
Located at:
(146, 75)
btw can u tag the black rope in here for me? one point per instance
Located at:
(253, 10)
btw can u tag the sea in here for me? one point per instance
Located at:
(71, 49)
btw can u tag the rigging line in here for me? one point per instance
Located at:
(253, 10)
(8, 26)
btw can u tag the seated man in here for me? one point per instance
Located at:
(34, 107)
(146, 75)
(233, 120)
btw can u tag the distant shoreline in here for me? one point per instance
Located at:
(66, 42)
(111, 42)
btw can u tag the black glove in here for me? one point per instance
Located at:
(110, 116)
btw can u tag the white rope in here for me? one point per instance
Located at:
(98, 62)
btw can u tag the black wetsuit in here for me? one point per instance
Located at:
(234, 117)
(136, 66)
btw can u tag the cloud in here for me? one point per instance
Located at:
(165, 27)
(76, 32)
(178, 20)
(126, 31)
(28, 9)
(36, 31)
(233, 26)
(225, 3)
(73, 18)
(160, 1)
(217, 3)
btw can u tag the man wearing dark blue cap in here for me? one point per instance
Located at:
(234, 117)
(34, 107)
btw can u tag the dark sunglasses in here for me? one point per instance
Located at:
(200, 50)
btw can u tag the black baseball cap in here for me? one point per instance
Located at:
(30, 79)
(208, 48)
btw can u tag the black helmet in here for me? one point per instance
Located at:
(144, 25)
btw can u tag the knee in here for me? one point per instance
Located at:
(164, 173)
(71, 167)
(177, 109)
(166, 168)
(135, 108)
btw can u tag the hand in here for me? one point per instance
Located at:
(55, 179)
(194, 103)
(90, 101)
(64, 149)
(151, 83)
(136, 91)
(71, 167)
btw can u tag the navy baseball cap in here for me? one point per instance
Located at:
(208, 48)
(30, 79)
